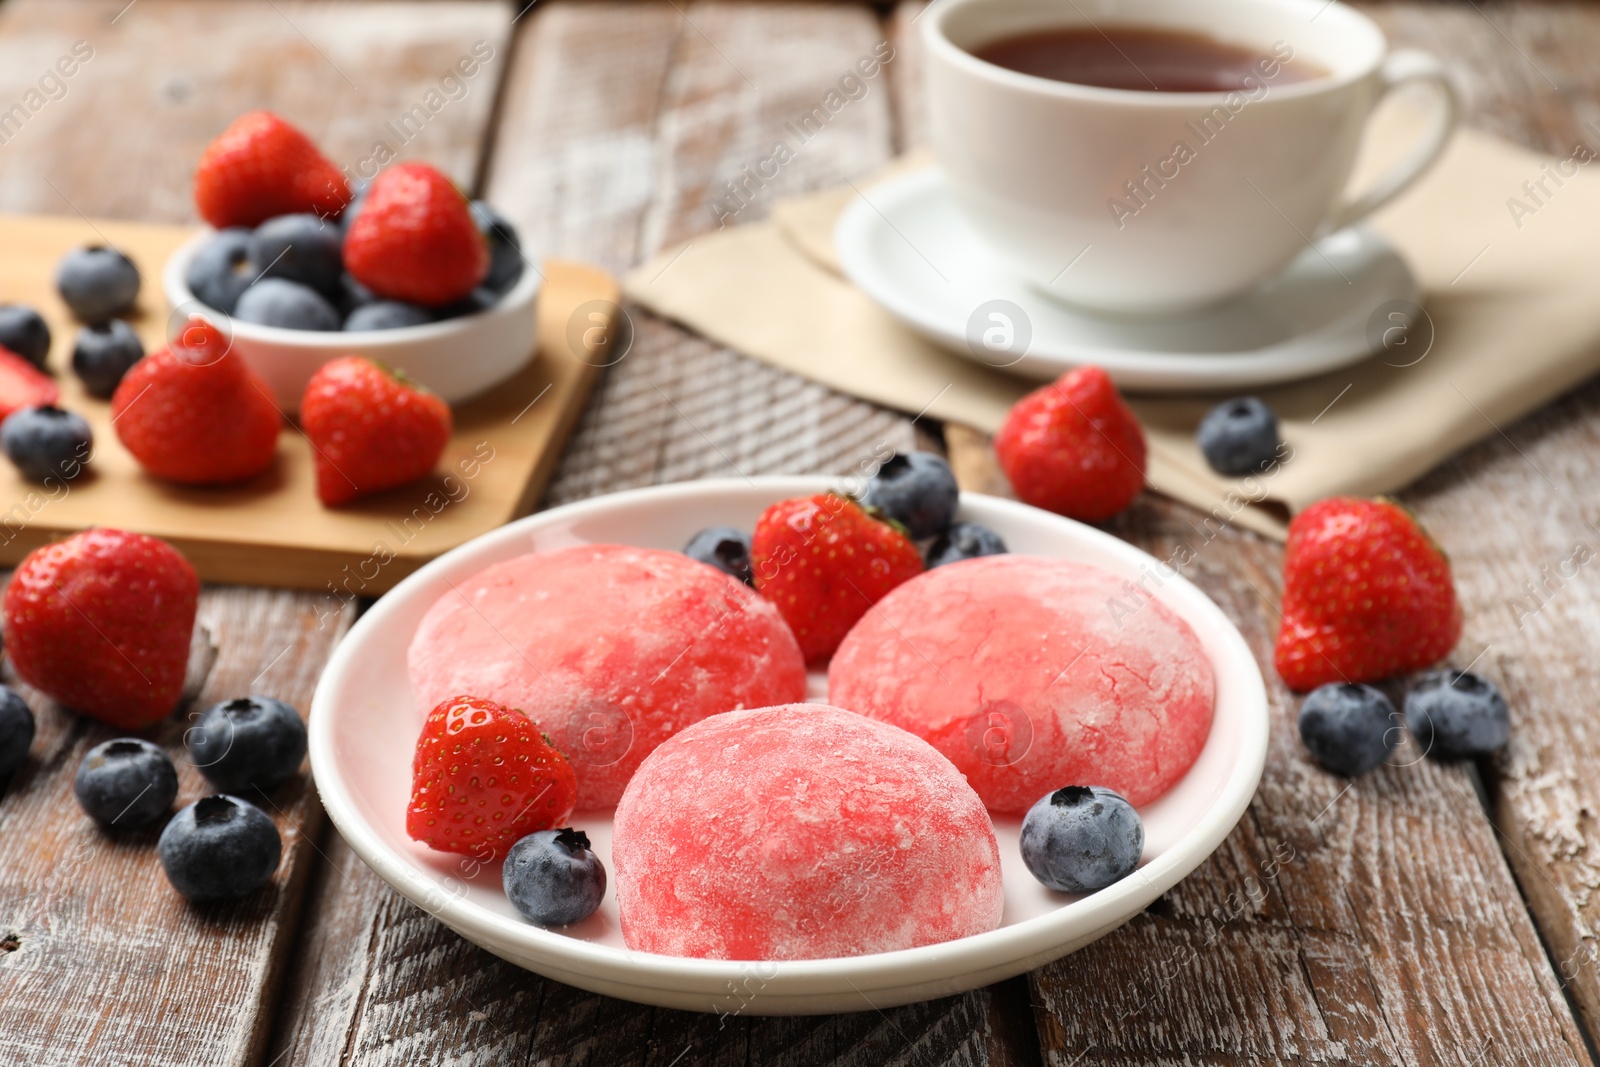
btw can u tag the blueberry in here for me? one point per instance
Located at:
(1081, 839)
(553, 877)
(16, 731)
(219, 847)
(480, 299)
(352, 294)
(97, 282)
(1457, 715)
(964, 540)
(724, 548)
(299, 248)
(126, 782)
(222, 269)
(24, 332)
(357, 201)
(47, 442)
(103, 353)
(1239, 436)
(386, 315)
(1348, 728)
(285, 304)
(250, 742)
(917, 490)
(505, 247)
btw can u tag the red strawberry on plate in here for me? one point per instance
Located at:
(261, 167)
(415, 240)
(22, 385)
(101, 621)
(483, 778)
(370, 429)
(823, 562)
(1074, 447)
(195, 412)
(1366, 594)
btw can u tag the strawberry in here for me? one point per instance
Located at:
(415, 240)
(370, 429)
(101, 621)
(1366, 594)
(195, 412)
(483, 778)
(823, 561)
(1074, 447)
(261, 167)
(22, 385)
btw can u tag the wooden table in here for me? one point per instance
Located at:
(1419, 915)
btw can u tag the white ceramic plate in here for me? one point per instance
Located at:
(364, 726)
(457, 358)
(907, 246)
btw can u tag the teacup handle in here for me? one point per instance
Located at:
(1402, 68)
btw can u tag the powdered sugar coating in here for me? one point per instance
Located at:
(1031, 674)
(610, 649)
(801, 832)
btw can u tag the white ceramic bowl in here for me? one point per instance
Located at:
(457, 358)
(364, 726)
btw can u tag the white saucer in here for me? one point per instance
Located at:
(906, 244)
(364, 726)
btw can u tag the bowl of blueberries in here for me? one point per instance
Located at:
(289, 306)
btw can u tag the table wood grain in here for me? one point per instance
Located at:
(1426, 914)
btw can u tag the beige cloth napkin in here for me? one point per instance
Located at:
(1510, 272)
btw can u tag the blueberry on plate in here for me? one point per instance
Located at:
(480, 299)
(222, 269)
(724, 548)
(103, 353)
(1348, 728)
(1239, 436)
(553, 877)
(917, 490)
(126, 782)
(505, 247)
(218, 848)
(97, 282)
(964, 540)
(1081, 839)
(300, 248)
(16, 731)
(386, 315)
(1457, 715)
(252, 742)
(23, 331)
(285, 304)
(47, 442)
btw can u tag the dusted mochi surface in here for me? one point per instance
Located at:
(801, 832)
(610, 649)
(1032, 674)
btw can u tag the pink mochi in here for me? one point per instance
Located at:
(610, 649)
(800, 832)
(1032, 674)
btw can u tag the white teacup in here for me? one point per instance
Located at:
(1042, 167)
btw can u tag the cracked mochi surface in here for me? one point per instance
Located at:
(1032, 674)
(801, 832)
(610, 649)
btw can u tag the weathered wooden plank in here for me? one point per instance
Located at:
(386, 984)
(107, 963)
(165, 76)
(1382, 924)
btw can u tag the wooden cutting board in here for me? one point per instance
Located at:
(272, 531)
